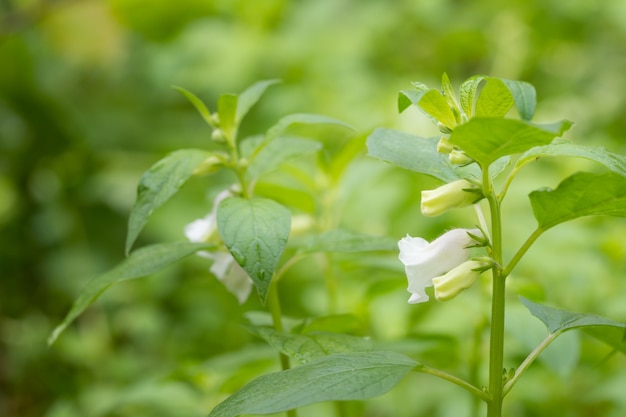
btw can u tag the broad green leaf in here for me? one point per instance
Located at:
(494, 100)
(613, 161)
(227, 110)
(311, 346)
(488, 139)
(581, 194)
(436, 105)
(347, 241)
(559, 320)
(249, 97)
(467, 93)
(410, 152)
(301, 118)
(281, 149)
(342, 159)
(198, 104)
(611, 335)
(158, 184)
(340, 377)
(525, 97)
(255, 232)
(142, 262)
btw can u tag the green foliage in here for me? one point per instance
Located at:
(348, 376)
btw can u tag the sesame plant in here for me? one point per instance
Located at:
(251, 238)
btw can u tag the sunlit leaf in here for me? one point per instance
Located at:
(613, 161)
(525, 97)
(340, 377)
(197, 103)
(281, 149)
(408, 97)
(467, 93)
(158, 184)
(142, 262)
(249, 97)
(494, 100)
(488, 139)
(227, 111)
(448, 91)
(410, 152)
(301, 118)
(347, 241)
(255, 232)
(582, 194)
(560, 320)
(436, 105)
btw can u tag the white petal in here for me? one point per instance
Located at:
(200, 230)
(238, 283)
(222, 262)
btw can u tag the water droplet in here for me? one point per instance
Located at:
(238, 255)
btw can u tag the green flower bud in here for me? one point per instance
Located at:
(449, 285)
(458, 157)
(444, 145)
(457, 194)
(218, 136)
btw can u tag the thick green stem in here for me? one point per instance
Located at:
(273, 302)
(496, 342)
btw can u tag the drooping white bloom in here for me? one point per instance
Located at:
(424, 261)
(457, 194)
(224, 267)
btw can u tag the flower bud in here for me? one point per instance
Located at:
(218, 136)
(449, 285)
(210, 165)
(457, 194)
(444, 145)
(458, 157)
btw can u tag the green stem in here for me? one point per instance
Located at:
(455, 380)
(273, 302)
(528, 361)
(522, 251)
(496, 342)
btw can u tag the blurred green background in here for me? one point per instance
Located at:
(86, 106)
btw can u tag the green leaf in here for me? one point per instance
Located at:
(308, 347)
(158, 184)
(410, 152)
(340, 377)
(249, 97)
(255, 232)
(347, 241)
(613, 161)
(525, 97)
(142, 262)
(408, 97)
(198, 104)
(560, 320)
(611, 335)
(227, 110)
(281, 149)
(581, 194)
(494, 100)
(467, 93)
(488, 139)
(436, 105)
(301, 118)
(448, 90)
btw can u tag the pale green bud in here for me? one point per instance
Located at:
(444, 145)
(458, 157)
(457, 194)
(218, 136)
(210, 165)
(449, 285)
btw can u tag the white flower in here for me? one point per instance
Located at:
(224, 267)
(424, 261)
(460, 193)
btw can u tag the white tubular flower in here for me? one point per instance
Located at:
(449, 285)
(224, 267)
(424, 261)
(457, 194)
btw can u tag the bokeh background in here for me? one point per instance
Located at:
(86, 106)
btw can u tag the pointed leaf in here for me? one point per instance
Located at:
(301, 118)
(280, 150)
(494, 100)
(582, 194)
(347, 241)
(249, 97)
(448, 90)
(559, 320)
(158, 184)
(488, 139)
(613, 161)
(255, 232)
(525, 97)
(227, 110)
(410, 152)
(611, 335)
(197, 103)
(340, 377)
(142, 262)
(408, 97)
(436, 105)
(467, 93)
